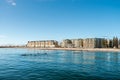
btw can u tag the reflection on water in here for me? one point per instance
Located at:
(79, 57)
(58, 65)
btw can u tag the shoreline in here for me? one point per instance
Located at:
(75, 49)
(81, 49)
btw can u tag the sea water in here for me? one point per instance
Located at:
(58, 65)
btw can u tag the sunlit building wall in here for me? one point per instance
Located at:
(42, 44)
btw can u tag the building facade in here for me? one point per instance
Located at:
(78, 43)
(42, 44)
(67, 43)
(72, 43)
(83, 43)
(93, 43)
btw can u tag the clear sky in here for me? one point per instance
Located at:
(23, 20)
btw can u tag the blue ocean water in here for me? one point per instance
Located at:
(58, 65)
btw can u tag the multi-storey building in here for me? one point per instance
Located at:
(93, 43)
(72, 43)
(84, 43)
(42, 44)
(78, 43)
(67, 43)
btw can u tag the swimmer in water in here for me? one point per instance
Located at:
(45, 53)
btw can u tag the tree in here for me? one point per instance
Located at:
(115, 42)
(104, 43)
(110, 44)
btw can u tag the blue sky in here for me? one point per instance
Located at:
(23, 20)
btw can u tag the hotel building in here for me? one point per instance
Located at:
(67, 43)
(42, 44)
(83, 43)
(78, 43)
(93, 43)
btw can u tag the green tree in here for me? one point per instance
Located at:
(110, 44)
(104, 43)
(115, 42)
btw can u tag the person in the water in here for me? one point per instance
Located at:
(45, 53)
(33, 54)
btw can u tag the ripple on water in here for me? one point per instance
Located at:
(58, 65)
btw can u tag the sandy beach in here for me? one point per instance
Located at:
(82, 49)
(75, 49)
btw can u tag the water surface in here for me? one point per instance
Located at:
(58, 65)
